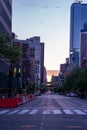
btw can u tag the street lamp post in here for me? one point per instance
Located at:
(17, 76)
(10, 80)
(17, 72)
(37, 82)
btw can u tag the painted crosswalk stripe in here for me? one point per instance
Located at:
(46, 112)
(57, 111)
(4, 111)
(33, 112)
(85, 110)
(79, 112)
(66, 111)
(23, 112)
(13, 112)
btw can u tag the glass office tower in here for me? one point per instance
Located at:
(6, 17)
(78, 18)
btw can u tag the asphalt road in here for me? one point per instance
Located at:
(46, 112)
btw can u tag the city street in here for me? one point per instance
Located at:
(46, 112)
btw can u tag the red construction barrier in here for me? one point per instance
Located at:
(7, 102)
(27, 98)
(31, 96)
(1, 103)
(23, 98)
(14, 102)
(34, 96)
(4, 102)
(19, 100)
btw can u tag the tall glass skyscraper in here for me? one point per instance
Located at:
(78, 18)
(6, 17)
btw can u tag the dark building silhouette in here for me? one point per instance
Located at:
(78, 17)
(83, 47)
(6, 17)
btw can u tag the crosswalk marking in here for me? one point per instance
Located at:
(43, 111)
(23, 112)
(33, 112)
(57, 111)
(68, 112)
(46, 112)
(79, 112)
(85, 110)
(13, 112)
(4, 111)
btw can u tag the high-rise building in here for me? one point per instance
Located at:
(78, 18)
(83, 48)
(39, 58)
(42, 62)
(6, 17)
(32, 59)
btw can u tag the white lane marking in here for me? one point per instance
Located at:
(33, 111)
(66, 111)
(85, 110)
(23, 112)
(4, 111)
(46, 112)
(13, 112)
(57, 111)
(79, 112)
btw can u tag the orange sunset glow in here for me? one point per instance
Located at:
(50, 73)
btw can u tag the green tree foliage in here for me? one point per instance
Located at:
(81, 82)
(76, 81)
(3, 39)
(71, 79)
(13, 53)
(30, 87)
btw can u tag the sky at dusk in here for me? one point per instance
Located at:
(49, 19)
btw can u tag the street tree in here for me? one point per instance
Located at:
(13, 53)
(77, 81)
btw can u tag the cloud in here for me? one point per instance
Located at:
(40, 4)
(31, 4)
(36, 5)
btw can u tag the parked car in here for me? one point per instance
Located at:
(38, 93)
(71, 94)
(52, 92)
